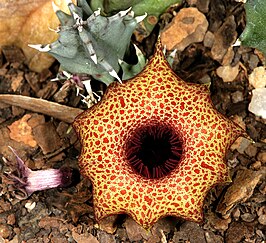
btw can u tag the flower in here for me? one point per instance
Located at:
(28, 181)
(154, 146)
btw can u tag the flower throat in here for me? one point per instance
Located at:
(154, 150)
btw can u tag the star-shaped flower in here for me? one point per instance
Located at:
(154, 146)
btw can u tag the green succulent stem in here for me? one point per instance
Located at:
(254, 34)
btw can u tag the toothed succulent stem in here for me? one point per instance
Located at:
(90, 43)
(254, 34)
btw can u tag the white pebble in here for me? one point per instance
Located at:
(258, 102)
(30, 206)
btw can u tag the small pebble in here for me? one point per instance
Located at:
(251, 150)
(30, 206)
(5, 231)
(262, 188)
(256, 165)
(258, 78)
(262, 157)
(262, 219)
(258, 102)
(253, 61)
(240, 145)
(237, 96)
(247, 217)
(108, 224)
(11, 219)
(228, 73)
(236, 213)
(208, 39)
(187, 27)
(259, 233)
(206, 79)
(228, 57)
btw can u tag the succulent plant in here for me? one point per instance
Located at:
(154, 146)
(254, 34)
(92, 44)
(153, 8)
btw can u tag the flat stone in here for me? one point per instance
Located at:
(202, 5)
(241, 189)
(161, 228)
(21, 131)
(134, 231)
(228, 57)
(187, 27)
(17, 81)
(11, 219)
(36, 120)
(224, 38)
(236, 232)
(253, 61)
(108, 224)
(12, 53)
(190, 232)
(33, 80)
(236, 213)
(17, 111)
(47, 137)
(256, 165)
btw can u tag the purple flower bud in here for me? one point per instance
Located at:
(31, 181)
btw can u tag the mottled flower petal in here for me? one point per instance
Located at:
(155, 107)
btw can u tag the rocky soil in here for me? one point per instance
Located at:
(41, 134)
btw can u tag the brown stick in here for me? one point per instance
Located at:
(61, 112)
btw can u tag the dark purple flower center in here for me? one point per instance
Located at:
(153, 151)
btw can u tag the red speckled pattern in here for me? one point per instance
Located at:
(156, 95)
